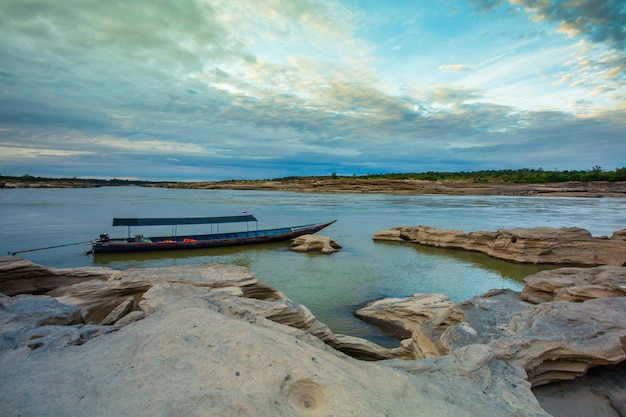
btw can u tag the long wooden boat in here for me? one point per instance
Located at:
(196, 241)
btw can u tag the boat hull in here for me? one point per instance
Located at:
(207, 241)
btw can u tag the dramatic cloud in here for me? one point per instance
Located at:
(204, 89)
(601, 22)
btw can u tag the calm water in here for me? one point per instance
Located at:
(331, 286)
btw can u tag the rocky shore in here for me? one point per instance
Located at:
(570, 348)
(595, 189)
(388, 186)
(539, 245)
(212, 339)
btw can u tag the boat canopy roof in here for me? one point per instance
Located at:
(181, 220)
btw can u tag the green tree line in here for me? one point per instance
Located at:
(92, 182)
(524, 175)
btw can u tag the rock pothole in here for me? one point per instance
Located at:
(306, 397)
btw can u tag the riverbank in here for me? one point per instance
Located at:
(214, 339)
(594, 189)
(409, 187)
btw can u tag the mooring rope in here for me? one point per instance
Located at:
(48, 247)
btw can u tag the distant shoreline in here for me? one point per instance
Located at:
(593, 189)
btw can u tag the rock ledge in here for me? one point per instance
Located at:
(539, 245)
(213, 340)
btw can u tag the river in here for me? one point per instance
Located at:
(331, 286)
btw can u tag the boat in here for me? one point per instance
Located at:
(138, 243)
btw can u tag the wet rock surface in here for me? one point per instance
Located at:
(540, 245)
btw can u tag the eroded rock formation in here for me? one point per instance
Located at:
(600, 393)
(552, 341)
(204, 348)
(19, 276)
(117, 298)
(317, 243)
(196, 361)
(401, 316)
(575, 284)
(539, 245)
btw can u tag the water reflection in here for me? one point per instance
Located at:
(123, 260)
(507, 270)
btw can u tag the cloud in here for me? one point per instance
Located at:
(442, 93)
(200, 89)
(159, 34)
(552, 141)
(10, 151)
(600, 22)
(454, 67)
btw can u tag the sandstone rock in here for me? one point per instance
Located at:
(120, 311)
(208, 348)
(619, 235)
(282, 311)
(30, 311)
(129, 318)
(175, 295)
(551, 341)
(478, 321)
(476, 366)
(196, 361)
(49, 337)
(41, 322)
(212, 275)
(575, 284)
(540, 245)
(599, 393)
(307, 243)
(230, 289)
(20, 276)
(89, 331)
(561, 340)
(401, 316)
(97, 299)
(366, 350)
(394, 235)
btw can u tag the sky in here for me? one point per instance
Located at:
(259, 89)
